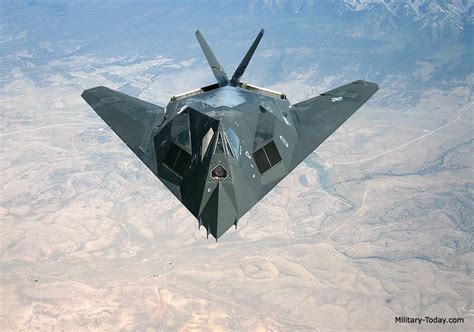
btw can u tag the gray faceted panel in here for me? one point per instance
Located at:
(221, 148)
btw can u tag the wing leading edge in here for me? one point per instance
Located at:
(317, 118)
(130, 118)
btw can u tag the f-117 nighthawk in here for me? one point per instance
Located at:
(221, 148)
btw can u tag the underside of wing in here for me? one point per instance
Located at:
(130, 118)
(317, 118)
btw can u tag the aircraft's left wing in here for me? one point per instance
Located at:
(130, 118)
(317, 118)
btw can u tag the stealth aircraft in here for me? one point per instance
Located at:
(221, 148)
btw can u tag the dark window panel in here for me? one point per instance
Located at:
(172, 155)
(182, 162)
(219, 144)
(261, 160)
(272, 153)
(177, 159)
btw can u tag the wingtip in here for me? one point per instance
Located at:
(89, 94)
(368, 83)
(197, 32)
(262, 31)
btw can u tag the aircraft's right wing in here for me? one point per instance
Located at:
(317, 118)
(130, 118)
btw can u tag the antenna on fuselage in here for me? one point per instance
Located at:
(216, 68)
(245, 61)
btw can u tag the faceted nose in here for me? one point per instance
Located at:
(219, 213)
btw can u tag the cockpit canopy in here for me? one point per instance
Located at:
(227, 142)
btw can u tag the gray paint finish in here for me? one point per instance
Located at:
(175, 144)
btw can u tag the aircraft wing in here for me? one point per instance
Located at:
(317, 118)
(130, 118)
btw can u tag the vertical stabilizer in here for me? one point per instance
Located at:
(245, 61)
(217, 69)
